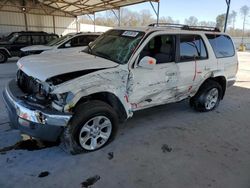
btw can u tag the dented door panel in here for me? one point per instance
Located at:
(150, 87)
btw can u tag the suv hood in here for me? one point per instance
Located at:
(46, 66)
(36, 48)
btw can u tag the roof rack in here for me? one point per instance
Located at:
(185, 27)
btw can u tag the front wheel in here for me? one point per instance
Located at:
(208, 97)
(3, 57)
(93, 126)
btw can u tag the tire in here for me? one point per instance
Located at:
(3, 57)
(208, 97)
(80, 134)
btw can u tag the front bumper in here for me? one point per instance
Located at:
(32, 119)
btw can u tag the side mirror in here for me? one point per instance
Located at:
(67, 45)
(147, 62)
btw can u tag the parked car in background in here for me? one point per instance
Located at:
(17, 40)
(69, 42)
(81, 97)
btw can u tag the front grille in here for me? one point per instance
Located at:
(26, 83)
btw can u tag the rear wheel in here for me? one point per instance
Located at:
(208, 97)
(3, 57)
(93, 126)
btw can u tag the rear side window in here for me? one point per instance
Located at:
(36, 39)
(192, 48)
(222, 45)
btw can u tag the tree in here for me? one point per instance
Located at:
(233, 16)
(220, 21)
(207, 23)
(146, 18)
(168, 19)
(192, 21)
(244, 12)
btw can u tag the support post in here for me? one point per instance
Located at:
(77, 26)
(94, 23)
(119, 15)
(25, 21)
(228, 2)
(54, 24)
(93, 20)
(157, 12)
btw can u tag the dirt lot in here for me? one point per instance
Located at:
(169, 146)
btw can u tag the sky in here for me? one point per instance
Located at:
(204, 10)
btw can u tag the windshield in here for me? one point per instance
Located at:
(116, 45)
(13, 37)
(58, 41)
(8, 37)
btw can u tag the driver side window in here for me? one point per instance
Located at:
(161, 47)
(23, 40)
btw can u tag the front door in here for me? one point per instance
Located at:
(157, 85)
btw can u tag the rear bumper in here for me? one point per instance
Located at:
(36, 121)
(231, 82)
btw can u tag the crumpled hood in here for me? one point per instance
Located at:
(46, 66)
(36, 48)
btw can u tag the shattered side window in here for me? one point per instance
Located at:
(116, 45)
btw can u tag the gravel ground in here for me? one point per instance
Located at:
(169, 146)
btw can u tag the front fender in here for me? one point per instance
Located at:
(112, 81)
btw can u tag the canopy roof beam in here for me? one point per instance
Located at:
(156, 10)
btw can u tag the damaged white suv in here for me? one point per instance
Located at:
(80, 98)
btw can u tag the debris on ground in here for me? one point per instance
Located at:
(43, 174)
(165, 148)
(29, 145)
(110, 155)
(90, 181)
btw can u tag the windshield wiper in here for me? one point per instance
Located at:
(103, 55)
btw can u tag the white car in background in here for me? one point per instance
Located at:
(68, 43)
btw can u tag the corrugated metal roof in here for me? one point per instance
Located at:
(81, 7)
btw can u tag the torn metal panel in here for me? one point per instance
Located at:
(113, 80)
(149, 87)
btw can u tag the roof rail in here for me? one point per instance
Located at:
(185, 27)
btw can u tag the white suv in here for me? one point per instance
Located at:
(81, 97)
(72, 42)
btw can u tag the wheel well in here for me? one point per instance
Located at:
(5, 52)
(108, 98)
(222, 81)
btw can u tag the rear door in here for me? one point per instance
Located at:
(193, 64)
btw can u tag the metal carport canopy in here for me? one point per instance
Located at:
(81, 7)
